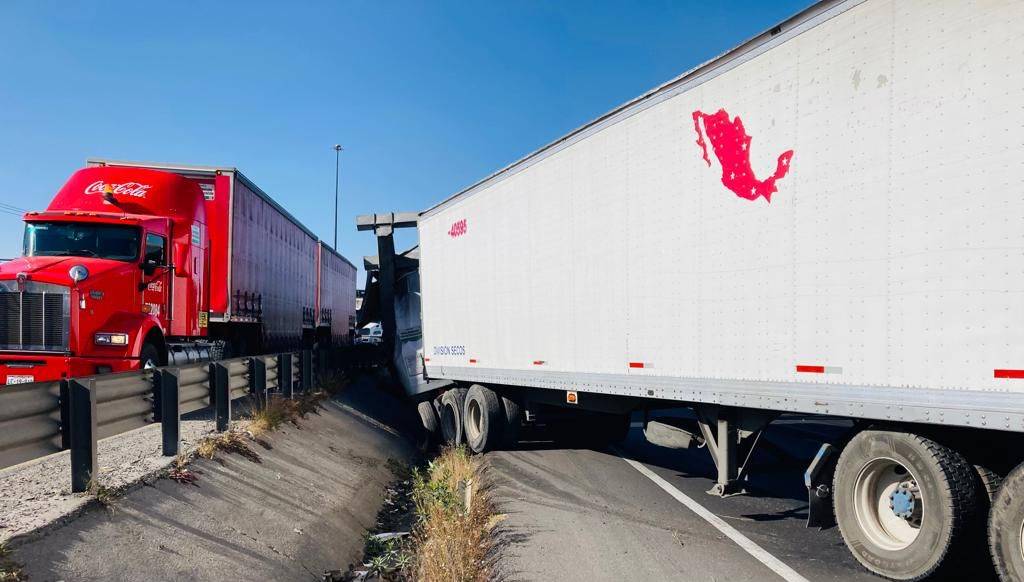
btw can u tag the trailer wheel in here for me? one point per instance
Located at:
(452, 404)
(428, 417)
(1006, 527)
(513, 421)
(905, 504)
(482, 419)
(990, 482)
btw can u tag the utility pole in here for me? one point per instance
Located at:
(337, 169)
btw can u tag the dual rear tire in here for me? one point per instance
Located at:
(478, 417)
(483, 419)
(452, 404)
(1006, 527)
(908, 507)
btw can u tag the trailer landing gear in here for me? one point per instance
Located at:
(731, 433)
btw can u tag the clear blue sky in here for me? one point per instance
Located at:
(427, 97)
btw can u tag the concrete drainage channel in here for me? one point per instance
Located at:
(298, 507)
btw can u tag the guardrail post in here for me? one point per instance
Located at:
(307, 371)
(221, 397)
(170, 413)
(284, 375)
(320, 360)
(258, 381)
(82, 409)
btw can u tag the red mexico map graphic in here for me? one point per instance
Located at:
(732, 148)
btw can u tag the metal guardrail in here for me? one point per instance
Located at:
(30, 422)
(124, 402)
(43, 418)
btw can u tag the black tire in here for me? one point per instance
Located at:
(513, 422)
(428, 417)
(149, 356)
(943, 513)
(990, 482)
(452, 403)
(1006, 528)
(482, 419)
(220, 350)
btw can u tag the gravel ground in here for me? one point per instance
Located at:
(37, 494)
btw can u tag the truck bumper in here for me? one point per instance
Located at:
(21, 367)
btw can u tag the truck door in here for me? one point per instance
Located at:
(155, 278)
(189, 299)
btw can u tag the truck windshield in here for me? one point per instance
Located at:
(69, 239)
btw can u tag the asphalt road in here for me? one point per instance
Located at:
(579, 514)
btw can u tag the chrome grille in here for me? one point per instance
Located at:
(36, 319)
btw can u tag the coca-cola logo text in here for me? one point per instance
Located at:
(133, 189)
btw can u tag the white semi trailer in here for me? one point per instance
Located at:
(826, 220)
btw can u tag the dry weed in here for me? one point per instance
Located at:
(452, 541)
(10, 571)
(227, 442)
(180, 472)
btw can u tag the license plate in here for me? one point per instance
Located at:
(15, 379)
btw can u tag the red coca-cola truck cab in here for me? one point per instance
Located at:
(143, 264)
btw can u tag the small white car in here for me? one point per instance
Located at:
(371, 334)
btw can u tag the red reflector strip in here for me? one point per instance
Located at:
(636, 364)
(819, 369)
(426, 359)
(472, 360)
(1018, 374)
(538, 362)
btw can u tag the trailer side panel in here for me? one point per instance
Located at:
(274, 261)
(830, 224)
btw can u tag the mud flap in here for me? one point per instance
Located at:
(818, 480)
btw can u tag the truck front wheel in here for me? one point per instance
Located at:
(482, 419)
(149, 357)
(1006, 527)
(905, 504)
(452, 404)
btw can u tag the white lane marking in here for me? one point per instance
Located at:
(363, 417)
(762, 555)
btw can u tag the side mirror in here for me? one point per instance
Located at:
(181, 260)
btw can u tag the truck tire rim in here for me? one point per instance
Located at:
(474, 420)
(149, 364)
(888, 504)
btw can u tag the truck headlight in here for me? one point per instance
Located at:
(110, 339)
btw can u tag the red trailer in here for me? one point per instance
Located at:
(136, 264)
(336, 296)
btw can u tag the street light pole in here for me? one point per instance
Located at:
(337, 169)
